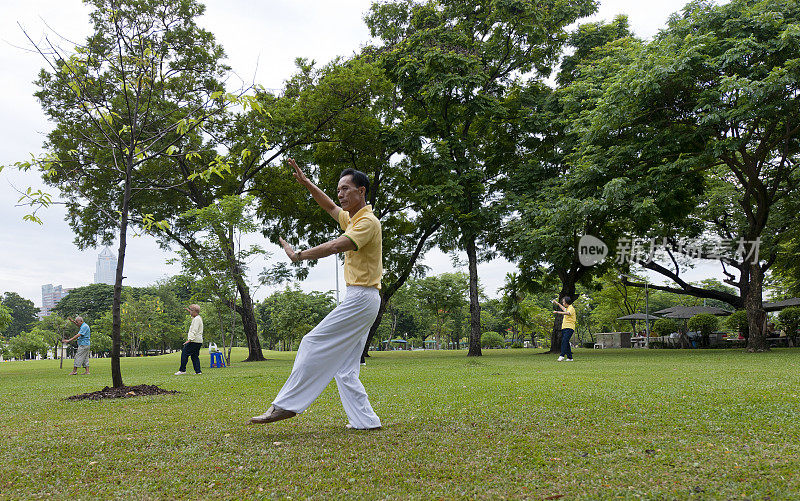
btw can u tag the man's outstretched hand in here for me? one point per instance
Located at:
(298, 174)
(286, 247)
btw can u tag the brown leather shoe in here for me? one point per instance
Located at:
(273, 414)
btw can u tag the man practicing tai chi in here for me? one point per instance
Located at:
(333, 348)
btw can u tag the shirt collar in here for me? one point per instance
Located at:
(367, 209)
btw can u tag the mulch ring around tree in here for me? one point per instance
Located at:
(122, 392)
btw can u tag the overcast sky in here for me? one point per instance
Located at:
(267, 35)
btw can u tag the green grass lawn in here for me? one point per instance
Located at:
(657, 424)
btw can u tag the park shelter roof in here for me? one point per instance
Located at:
(690, 311)
(779, 305)
(638, 316)
(666, 310)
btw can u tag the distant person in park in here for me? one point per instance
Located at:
(194, 341)
(567, 326)
(82, 355)
(333, 348)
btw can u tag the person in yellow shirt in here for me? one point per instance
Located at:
(333, 348)
(567, 326)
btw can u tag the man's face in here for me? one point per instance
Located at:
(350, 196)
(79, 321)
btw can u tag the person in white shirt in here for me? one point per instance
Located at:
(194, 341)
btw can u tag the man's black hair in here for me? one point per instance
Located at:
(567, 299)
(359, 179)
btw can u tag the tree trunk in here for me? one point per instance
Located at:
(254, 353)
(374, 327)
(474, 305)
(756, 316)
(116, 323)
(246, 311)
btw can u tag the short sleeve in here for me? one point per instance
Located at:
(363, 232)
(344, 219)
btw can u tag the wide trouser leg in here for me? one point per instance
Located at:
(82, 357)
(354, 397)
(329, 350)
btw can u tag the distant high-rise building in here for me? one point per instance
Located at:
(51, 295)
(106, 268)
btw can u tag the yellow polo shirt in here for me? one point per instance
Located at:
(570, 319)
(363, 266)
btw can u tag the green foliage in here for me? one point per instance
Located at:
(288, 315)
(492, 340)
(549, 213)
(144, 323)
(453, 65)
(131, 106)
(789, 319)
(216, 263)
(405, 317)
(89, 302)
(704, 323)
(23, 313)
(28, 343)
(101, 343)
(737, 322)
(710, 102)
(5, 317)
(665, 326)
(444, 298)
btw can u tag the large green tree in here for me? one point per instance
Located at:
(218, 261)
(89, 302)
(716, 93)
(444, 297)
(453, 63)
(138, 91)
(550, 215)
(23, 313)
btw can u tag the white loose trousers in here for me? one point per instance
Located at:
(333, 350)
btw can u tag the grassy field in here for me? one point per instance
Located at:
(615, 424)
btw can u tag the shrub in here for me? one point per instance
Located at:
(665, 326)
(790, 321)
(737, 322)
(492, 340)
(705, 324)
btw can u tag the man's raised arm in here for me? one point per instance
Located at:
(320, 197)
